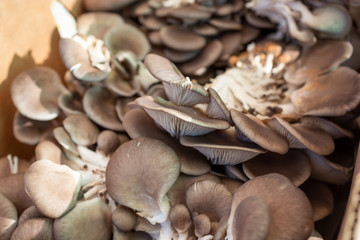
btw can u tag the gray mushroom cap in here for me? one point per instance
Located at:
(9, 217)
(35, 228)
(81, 129)
(35, 93)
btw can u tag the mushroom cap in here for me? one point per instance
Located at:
(30, 212)
(190, 12)
(179, 56)
(120, 85)
(53, 188)
(99, 105)
(48, 150)
(106, 5)
(291, 215)
(181, 39)
(302, 136)
(312, 63)
(179, 120)
(127, 38)
(70, 103)
(35, 228)
(216, 107)
(222, 147)
(202, 225)
(81, 130)
(107, 141)
(90, 219)
(124, 218)
(35, 93)
(77, 60)
(225, 24)
(29, 131)
(180, 218)
(138, 123)
(140, 173)
(97, 23)
(9, 217)
(295, 165)
(333, 94)
(65, 140)
(231, 184)
(259, 132)
(251, 219)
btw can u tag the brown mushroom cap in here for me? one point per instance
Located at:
(30, 212)
(90, 219)
(231, 184)
(35, 228)
(124, 218)
(99, 105)
(251, 219)
(97, 23)
(52, 188)
(179, 56)
(179, 120)
(181, 39)
(333, 94)
(107, 142)
(9, 217)
(140, 173)
(202, 225)
(48, 150)
(291, 215)
(312, 63)
(35, 93)
(106, 5)
(127, 38)
(64, 140)
(222, 147)
(180, 218)
(70, 103)
(216, 107)
(81, 130)
(302, 136)
(294, 165)
(258, 132)
(138, 123)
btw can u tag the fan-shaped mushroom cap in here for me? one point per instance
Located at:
(208, 55)
(6, 169)
(258, 132)
(9, 217)
(312, 63)
(127, 38)
(99, 105)
(333, 94)
(106, 5)
(180, 218)
(12, 187)
(179, 56)
(107, 142)
(205, 30)
(29, 131)
(64, 140)
(327, 171)
(302, 136)
(251, 219)
(181, 39)
(70, 103)
(52, 188)
(202, 225)
(140, 173)
(48, 150)
(216, 107)
(90, 219)
(231, 184)
(77, 60)
(138, 123)
(30, 212)
(203, 196)
(222, 147)
(321, 198)
(124, 218)
(294, 165)
(97, 23)
(81, 130)
(35, 93)
(291, 215)
(121, 86)
(35, 228)
(179, 120)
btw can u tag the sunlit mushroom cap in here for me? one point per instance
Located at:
(127, 38)
(97, 23)
(140, 173)
(179, 120)
(90, 219)
(35, 93)
(291, 215)
(52, 188)
(81, 130)
(9, 217)
(333, 94)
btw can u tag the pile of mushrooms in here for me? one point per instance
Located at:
(129, 144)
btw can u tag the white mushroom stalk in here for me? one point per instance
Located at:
(13, 163)
(254, 85)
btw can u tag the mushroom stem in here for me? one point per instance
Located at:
(13, 163)
(206, 237)
(93, 191)
(89, 177)
(166, 232)
(183, 236)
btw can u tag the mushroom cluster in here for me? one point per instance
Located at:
(129, 145)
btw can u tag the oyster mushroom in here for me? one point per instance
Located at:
(35, 228)
(124, 218)
(181, 220)
(128, 185)
(81, 130)
(9, 217)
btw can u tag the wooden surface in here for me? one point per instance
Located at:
(28, 37)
